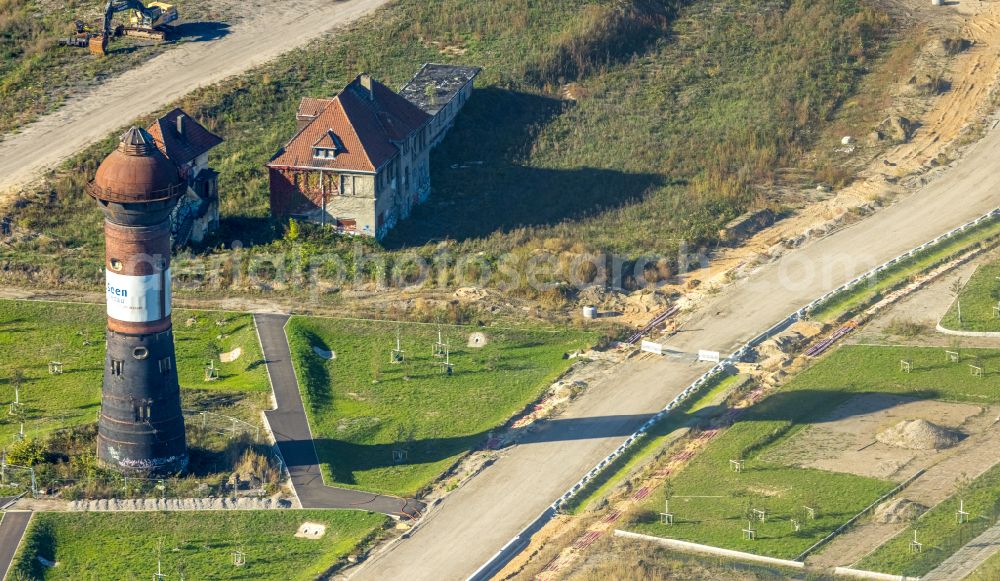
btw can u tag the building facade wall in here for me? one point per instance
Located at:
(349, 198)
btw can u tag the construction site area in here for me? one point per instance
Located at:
(462, 290)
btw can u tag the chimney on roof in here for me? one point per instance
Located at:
(180, 124)
(366, 83)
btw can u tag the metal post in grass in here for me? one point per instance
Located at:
(962, 515)
(916, 546)
(736, 466)
(447, 366)
(15, 406)
(977, 370)
(440, 348)
(952, 356)
(211, 372)
(759, 514)
(666, 517)
(749, 533)
(796, 525)
(159, 575)
(906, 365)
(811, 512)
(396, 357)
(239, 558)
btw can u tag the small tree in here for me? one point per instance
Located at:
(293, 230)
(956, 291)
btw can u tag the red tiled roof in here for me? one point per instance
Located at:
(310, 107)
(182, 148)
(366, 128)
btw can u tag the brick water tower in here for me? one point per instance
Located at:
(141, 427)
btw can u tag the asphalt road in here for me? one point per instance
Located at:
(291, 431)
(475, 521)
(12, 528)
(274, 28)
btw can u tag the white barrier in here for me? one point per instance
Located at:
(495, 563)
(859, 574)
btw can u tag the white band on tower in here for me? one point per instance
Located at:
(138, 299)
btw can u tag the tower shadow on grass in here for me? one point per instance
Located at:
(480, 184)
(347, 458)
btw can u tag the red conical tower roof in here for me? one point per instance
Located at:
(136, 172)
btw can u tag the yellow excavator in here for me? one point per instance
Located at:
(145, 20)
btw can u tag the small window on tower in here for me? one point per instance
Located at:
(116, 367)
(116, 265)
(140, 353)
(165, 365)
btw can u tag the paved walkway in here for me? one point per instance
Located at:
(291, 430)
(12, 528)
(968, 558)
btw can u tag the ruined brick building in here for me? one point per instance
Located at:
(186, 144)
(359, 162)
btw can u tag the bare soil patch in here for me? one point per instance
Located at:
(846, 440)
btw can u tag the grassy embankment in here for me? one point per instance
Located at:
(711, 502)
(37, 75)
(194, 545)
(32, 334)
(849, 303)
(682, 111)
(363, 408)
(978, 297)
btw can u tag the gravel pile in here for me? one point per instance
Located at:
(898, 510)
(919, 435)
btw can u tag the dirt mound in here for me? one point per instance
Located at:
(919, 435)
(898, 510)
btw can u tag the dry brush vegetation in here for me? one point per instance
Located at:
(680, 114)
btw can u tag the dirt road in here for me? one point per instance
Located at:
(275, 29)
(479, 518)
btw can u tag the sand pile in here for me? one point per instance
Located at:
(919, 435)
(898, 510)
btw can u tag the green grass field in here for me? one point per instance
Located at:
(939, 531)
(711, 502)
(359, 422)
(978, 297)
(34, 333)
(850, 302)
(195, 545)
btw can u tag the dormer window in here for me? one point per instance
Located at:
(328, 146)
